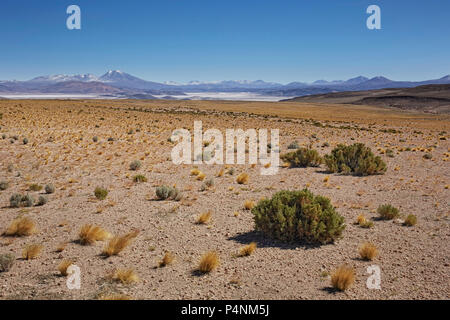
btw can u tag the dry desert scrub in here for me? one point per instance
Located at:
(167, 259)
(242, 178)
(118, 243)
(21, 227)
(388, 212)
(368, 251)
(410, 220)
(90, 233)
(363, 222)
(208, 262)
(100, 193)
(6, 262)
(204, 218)
(343, 278)
(248, 205)
(125, 276)
(31, 251)
(63, 266)
(247, 250)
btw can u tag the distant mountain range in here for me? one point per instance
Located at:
(124, 85)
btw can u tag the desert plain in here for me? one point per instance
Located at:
(80, 145)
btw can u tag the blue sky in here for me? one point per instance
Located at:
(183, 40)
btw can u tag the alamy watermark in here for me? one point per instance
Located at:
(208, 147)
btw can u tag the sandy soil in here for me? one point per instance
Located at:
(414, 261)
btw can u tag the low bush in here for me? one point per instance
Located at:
(303, 158)
(355, 159)
(298, 216)
(388, 212)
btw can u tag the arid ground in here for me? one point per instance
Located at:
(414, 261)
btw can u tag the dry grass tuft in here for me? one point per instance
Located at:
(195, 172)
(204, 218)
(242, 178)
(90, 233)
(167, 259)
(201, 176)
(118, 244)
(209, 262)
(247, 250)
(21, 227)
(248, 205)
(343, 278)
(363, 222)
(368, 251)
(63, 266)
(125, 276)
(31, 251)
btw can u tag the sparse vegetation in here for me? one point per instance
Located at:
(89, 234)
(167, 259)
(204, 217)
(135, 165)
(50, 188)
(249, 205)
(388, 212)
(410, 220)
(18, 200)
(355, 159)
(100, 193)
(63, 266)
(125, 276)
(368, 251)
(118, 243)
(4, 185)
(343, 278)
(21, 227)
(242, 178)
(6, 262)
(139, 178)
(303, 158)
(165, 192)
(247, 250)
(298, 216)
(31, 251)
(209, 262)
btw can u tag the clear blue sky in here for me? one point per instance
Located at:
(182, 40)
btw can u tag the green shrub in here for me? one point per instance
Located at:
(355, 159)
(139, 178)
(293, 145)
(410, 220)
(4, 185)
(165, 192)
(302, 157)
(298, 216)
(135, 165)
(35, 187)
(6, 262)
(50, 188)
(27, 201)
(42, 200)
(100, 193)
(388, 212)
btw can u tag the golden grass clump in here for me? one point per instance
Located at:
(119, 243)
(343, 278)
(204, 218)
(363, 222)
(247, 250)
(125, 276)
(209, 262)
(248, 205)
(21, 227)
(368, 251)
(31, 251)
(201, 176)
(63, 266)
(242, 178)
(195, 172)
(167, 259)
(90, 233)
